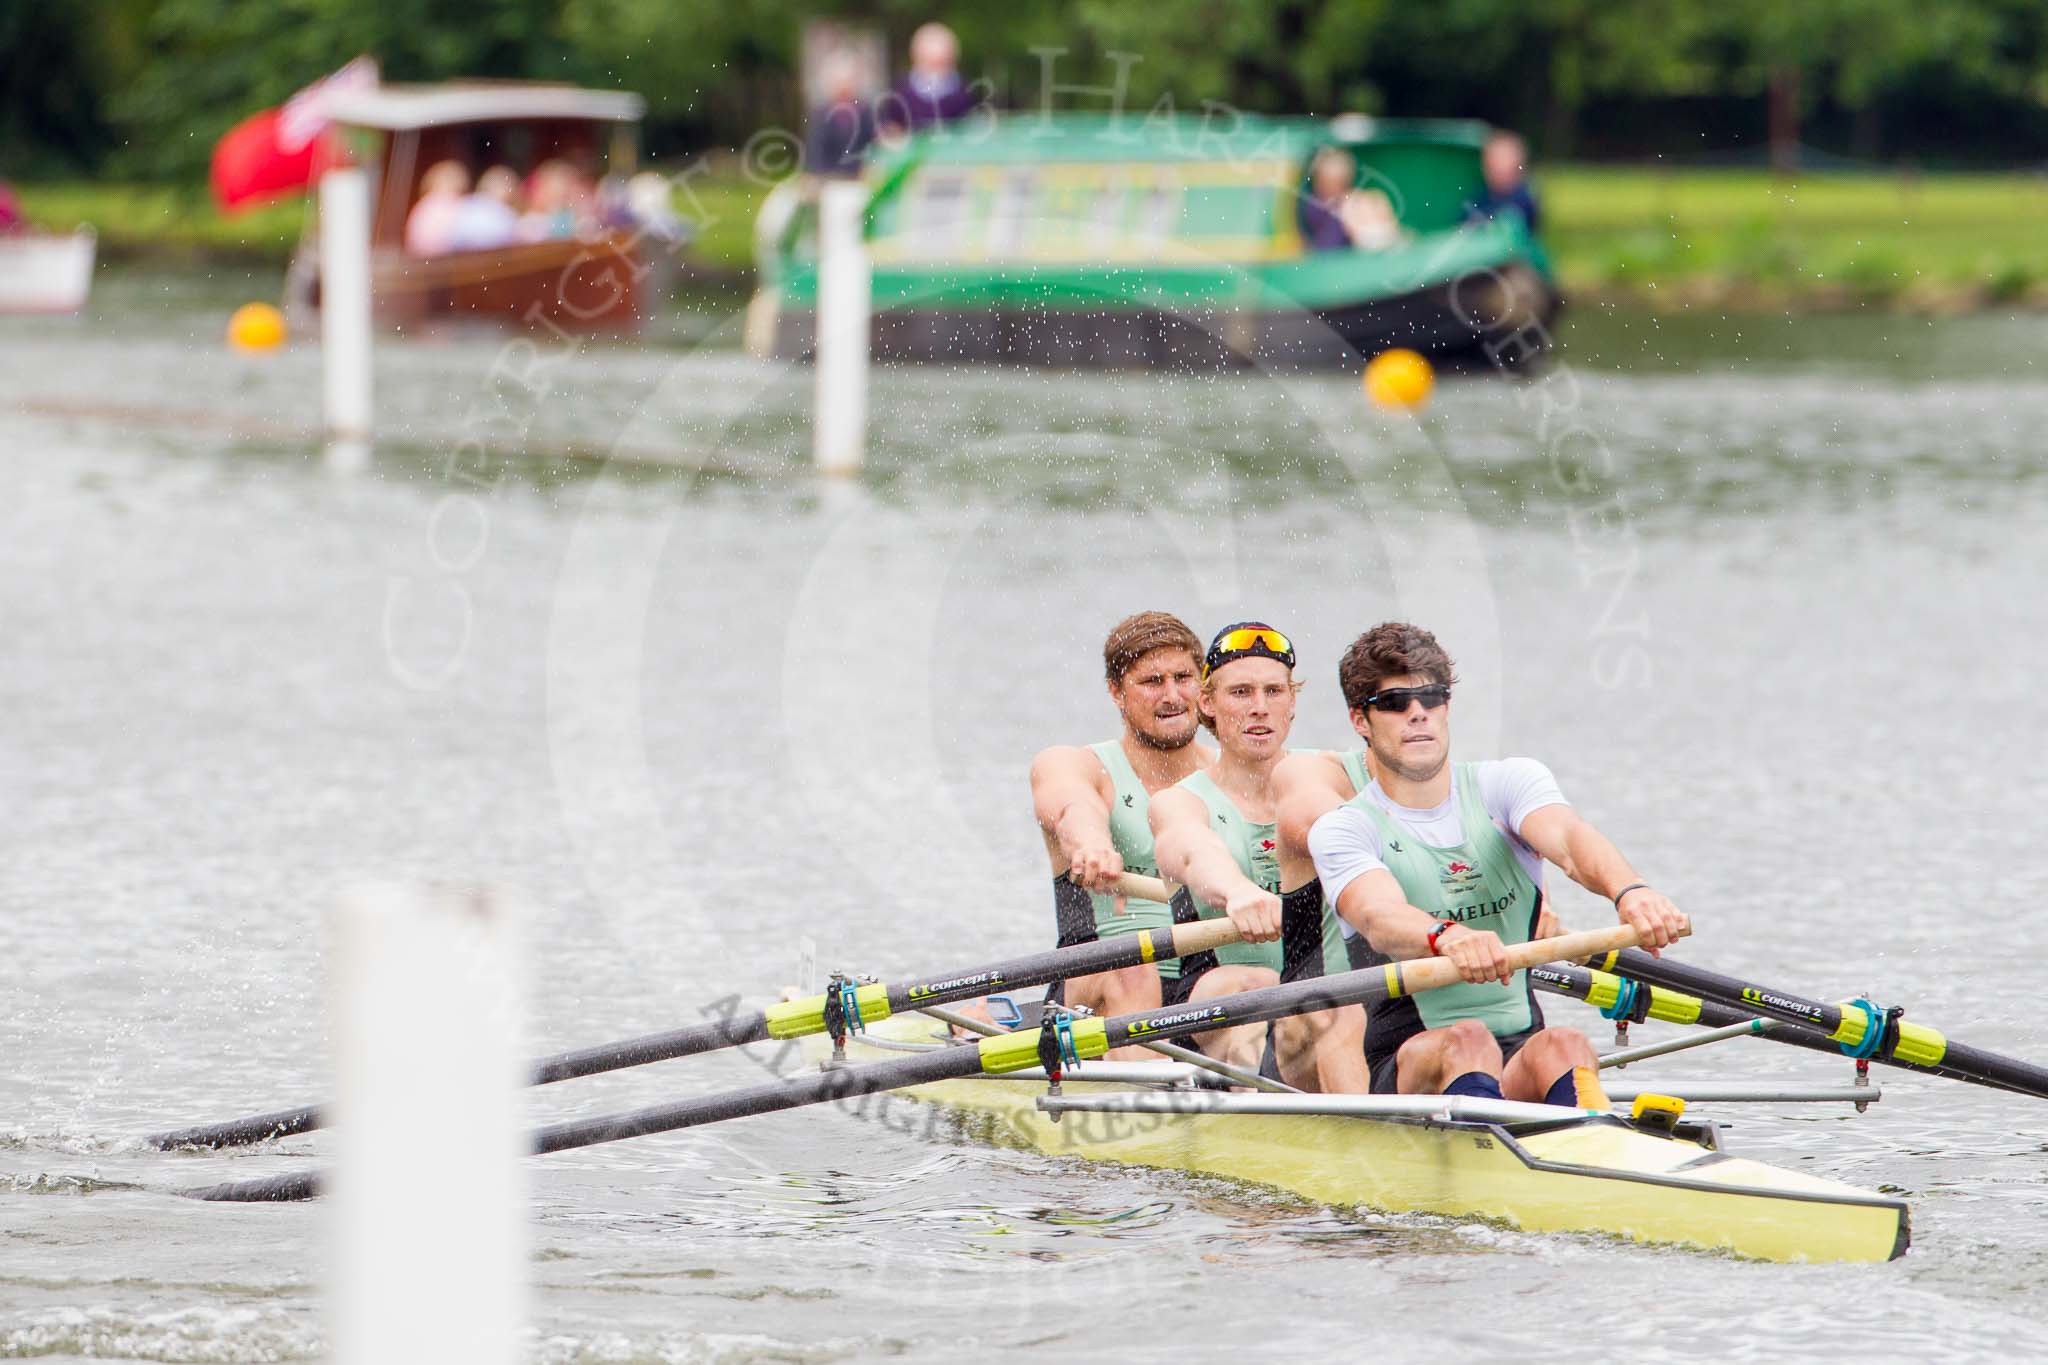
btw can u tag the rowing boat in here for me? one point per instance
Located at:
(1535, 1167)
(1654, 1175)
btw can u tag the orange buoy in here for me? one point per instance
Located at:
(1399, 378)
(256, 327)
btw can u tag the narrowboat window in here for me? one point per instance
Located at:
(941, 217)
(1160, 215)
(1107, 212)
(1062, 222)
(1012, 208)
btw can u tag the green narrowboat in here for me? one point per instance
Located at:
(1164, 242)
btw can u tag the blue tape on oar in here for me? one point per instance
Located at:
(1063, 1027)
(1624, 1001)
(1873, 1030)
(849, 1004)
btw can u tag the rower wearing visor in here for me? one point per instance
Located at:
(1214, 830)
(1093, 804)
(1437, 858)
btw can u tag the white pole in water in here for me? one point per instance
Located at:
(345, 302)
(429, 1183)
(839, 424)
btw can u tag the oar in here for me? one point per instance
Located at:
(1603, 990)
(1085, 1038)
(1859, 1028)
(795, 1018)
(1236, 1075)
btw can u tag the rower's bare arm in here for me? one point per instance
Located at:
(1590, 858)
(1374, 904)
(1070, 796)
(1181, 836)
(1306, 786)
(1190, 853)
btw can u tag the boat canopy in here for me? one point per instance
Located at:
(397, 108)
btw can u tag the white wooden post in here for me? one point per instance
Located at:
(345, 302)
(429, 1183)
(840, 419)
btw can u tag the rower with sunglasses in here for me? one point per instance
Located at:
(1214, 831)
(1438, 858)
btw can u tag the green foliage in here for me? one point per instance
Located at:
(1657, 235)
(1876, 272)
(165, 222)
(53, 70)
(2007, 280)
(1862, 47)
(1754, 252)
(215, 61)
(144, 87)
(1871, 235)
(1657, 252)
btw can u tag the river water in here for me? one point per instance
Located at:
(1766, 596)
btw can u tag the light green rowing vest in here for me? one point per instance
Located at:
(1479, 883)
(1256, 847)
(1354, 768)
(1130, 829)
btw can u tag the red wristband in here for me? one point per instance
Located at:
(1437, 933)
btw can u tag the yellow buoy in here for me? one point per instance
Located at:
(256, 327)
(1399, 379)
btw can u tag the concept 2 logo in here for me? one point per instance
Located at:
(927, 989)
(1207, 1014)
(1751, 995)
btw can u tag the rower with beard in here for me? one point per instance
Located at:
(1214, 829)
(1432, 858)
(1093, 804)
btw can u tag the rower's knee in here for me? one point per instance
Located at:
(1472, 1047)
(1121, 991)
(1137, 976)
(1317, 1045)
(1553, 1052)
(1342, 1030)
(1133, 988)
(1431, 1060)
(1218, 981)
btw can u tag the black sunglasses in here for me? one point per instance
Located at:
(1394, 701)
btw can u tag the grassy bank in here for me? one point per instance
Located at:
(1744, 236)
(1737, 238)
(168, 223)
(179, 224)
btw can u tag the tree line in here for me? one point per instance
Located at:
(141, 88)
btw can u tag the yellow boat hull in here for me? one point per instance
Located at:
(1599, 1175)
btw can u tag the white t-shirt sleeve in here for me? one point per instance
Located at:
(1345, 845)
(1513, 789)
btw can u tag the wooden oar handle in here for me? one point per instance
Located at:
(1140, 887)
(1428, 973)
(1203, 935)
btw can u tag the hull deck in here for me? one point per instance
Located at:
(1598, 1175)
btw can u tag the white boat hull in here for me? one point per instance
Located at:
(46, 272)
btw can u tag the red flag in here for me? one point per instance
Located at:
(276, 152)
